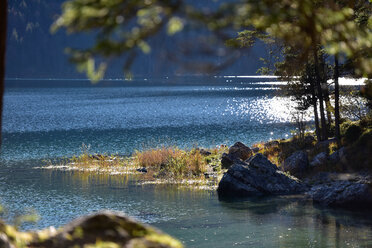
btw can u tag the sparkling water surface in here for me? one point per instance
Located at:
(43, 123)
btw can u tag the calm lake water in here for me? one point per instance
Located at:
(47, 123)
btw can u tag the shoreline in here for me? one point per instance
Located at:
(320, 170)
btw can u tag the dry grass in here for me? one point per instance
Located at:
(272, 153)
(163, 164)
(88, 160)
(172, 162)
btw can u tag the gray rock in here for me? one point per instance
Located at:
(296, 164)
(319, 160)
(227, 160)
(338, 156)
(256, 177)
(343, 194)
(240, 150)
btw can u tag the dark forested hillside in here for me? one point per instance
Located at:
(33, 52)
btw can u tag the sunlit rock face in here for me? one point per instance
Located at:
(103, 229)
(238, 152)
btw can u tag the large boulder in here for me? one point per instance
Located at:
(257, 177)
(343, 194)
(296, 164)
(237, 152)
(105, 228)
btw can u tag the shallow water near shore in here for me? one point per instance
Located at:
(196, 217)
(42, 123)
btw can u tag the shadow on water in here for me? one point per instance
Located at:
(260, 205)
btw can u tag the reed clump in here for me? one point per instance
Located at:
(172, 162)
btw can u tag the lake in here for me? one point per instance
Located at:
(51, 119)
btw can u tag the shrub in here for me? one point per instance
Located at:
(154, 157)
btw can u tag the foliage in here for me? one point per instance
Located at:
(128, 27)
(341, 28)
(279, 150)
(121, 27)
(332, 147)
(125, 27)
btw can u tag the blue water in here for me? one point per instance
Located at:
(52, 122)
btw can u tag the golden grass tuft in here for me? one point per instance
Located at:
(172, 162)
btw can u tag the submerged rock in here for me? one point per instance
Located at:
(296, 164)
(106, 228)
(256, 177)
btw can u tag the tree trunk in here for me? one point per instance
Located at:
(324, 135)
(325, 91)
(3, 27)
(337, 104)
(315, 108)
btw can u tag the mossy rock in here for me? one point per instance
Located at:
(103, 229)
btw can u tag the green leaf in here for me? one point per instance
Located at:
(175, 25)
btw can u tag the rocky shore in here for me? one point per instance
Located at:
(257, 176)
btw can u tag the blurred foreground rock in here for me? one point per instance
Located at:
(103, 229)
